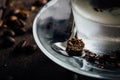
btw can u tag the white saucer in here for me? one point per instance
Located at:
(53, 24)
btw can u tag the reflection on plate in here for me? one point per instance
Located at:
(51, 28)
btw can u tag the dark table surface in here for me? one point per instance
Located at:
(35, 66)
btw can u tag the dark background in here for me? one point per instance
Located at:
(35, 66)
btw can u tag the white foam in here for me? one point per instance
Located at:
(84, 8)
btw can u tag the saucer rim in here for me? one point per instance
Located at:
(50, 56)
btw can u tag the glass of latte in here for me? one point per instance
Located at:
(98, 24)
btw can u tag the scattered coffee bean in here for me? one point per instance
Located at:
(24, 47)
(23, 14)
(29, 49)
(33, 8)
(40, 3)
(43, 1)
(22, 44)
(23, 23)
(1, 12)
(20, 23)
(16, 23)
(13, 18)
(8, 42)
(16, 11)
(101, 66)
(17, 26)
(20, 31)
(101, 59)
(118, 64)
(104, 61)
(1, 22)
(37, 4)
(89, 56)
(8, 32)
(29, 30)
(108, 61)
(10, 21)
(34, 47)
(11, 4)
(8, 13)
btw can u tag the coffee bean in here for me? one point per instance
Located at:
(29, 49)
(16, 24)
(19, 23)
(16, 11)
(4, 26)
(21, 44)
(11, 4)
(25, 48)
(40, 3)
(8, 13)
(37, 4)
(33, 8)
(29, 30)
(20, 31)
(23, 14)
(19, 47)
(11, 21)
(8, 33)
(14, 21)
(118, 64)
(13, 18)
(8, 41)
(23, 23)
(32, 47)
(1, 22)
(43, 1)
(1, 12)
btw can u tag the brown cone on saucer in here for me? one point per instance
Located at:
(75, 46)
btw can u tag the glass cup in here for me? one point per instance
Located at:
(98, 24)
